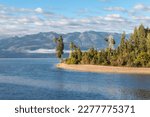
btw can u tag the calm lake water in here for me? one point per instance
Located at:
(39, 79)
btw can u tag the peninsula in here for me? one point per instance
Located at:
(131, 56)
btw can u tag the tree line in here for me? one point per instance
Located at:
(132, 52)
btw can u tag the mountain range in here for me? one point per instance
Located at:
(42, 45)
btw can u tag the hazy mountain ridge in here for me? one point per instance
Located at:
(28, 44)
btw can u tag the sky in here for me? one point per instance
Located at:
(21, 17)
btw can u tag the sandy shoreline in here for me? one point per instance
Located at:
(104, 69)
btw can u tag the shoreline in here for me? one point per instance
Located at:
(104, 69)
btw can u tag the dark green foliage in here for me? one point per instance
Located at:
(59, 47)
(132, 52)
(75, 54)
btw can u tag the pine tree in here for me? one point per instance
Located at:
(59, 47)
(71, 49)
(122, 43)
(142, 38)
(135, 38)
(148, 44)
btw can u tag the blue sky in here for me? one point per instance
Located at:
(63, 16)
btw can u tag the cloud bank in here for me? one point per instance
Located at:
(21, 21)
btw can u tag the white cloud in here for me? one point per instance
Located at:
(141, 18)
(23, 20)
(114, 17)
(115, 9)
(141, 7)
(136, 9)
(39, 23)
(39, 10)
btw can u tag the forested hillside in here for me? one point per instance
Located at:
(133, 51)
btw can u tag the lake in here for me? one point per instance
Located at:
(39, 79)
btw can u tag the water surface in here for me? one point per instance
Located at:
(36, 78)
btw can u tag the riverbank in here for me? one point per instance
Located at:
(104, 69)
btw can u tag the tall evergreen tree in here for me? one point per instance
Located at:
(142, 38)
(135, 38)
(122, 43)
(59, 47)
(148, 43)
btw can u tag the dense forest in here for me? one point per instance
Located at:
(132, 52)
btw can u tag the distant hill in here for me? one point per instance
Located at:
(41, 44)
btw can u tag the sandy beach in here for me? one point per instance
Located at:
(104, 69)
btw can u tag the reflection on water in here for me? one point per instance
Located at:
(40, 79)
